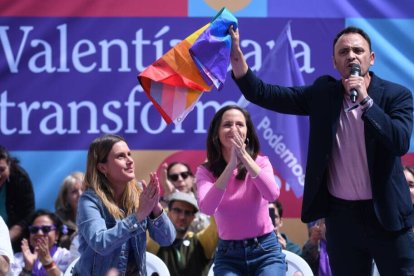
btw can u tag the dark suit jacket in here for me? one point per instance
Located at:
(388, 126)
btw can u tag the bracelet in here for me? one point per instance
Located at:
(367, 105)
(50, 265)
(364, 101)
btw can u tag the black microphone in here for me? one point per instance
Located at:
(355, 71)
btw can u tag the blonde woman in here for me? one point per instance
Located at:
(114, 212)
(66, 205)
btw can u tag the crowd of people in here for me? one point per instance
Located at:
(227, 217)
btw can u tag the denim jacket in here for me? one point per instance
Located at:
(105, 242)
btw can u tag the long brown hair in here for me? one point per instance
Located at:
(98, 152)
(215, 160)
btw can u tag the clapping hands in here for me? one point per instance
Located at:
(165, 182)
(41, 251)
(239, 148)
(29, 257)
(149, 198)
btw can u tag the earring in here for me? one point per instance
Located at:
(247, 141)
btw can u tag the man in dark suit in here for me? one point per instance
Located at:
(354, 177)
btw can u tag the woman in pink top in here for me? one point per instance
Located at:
(235, 185)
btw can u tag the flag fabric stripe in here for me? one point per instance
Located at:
(161, 71)
(174, 82)
(184, 102)
(180, 100)
(167, 95)
(177, 59)
(214, 40)
(156, 97)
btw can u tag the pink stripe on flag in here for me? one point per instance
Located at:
(180, 101)
(167, 99)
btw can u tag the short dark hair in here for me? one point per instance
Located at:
(61, 229)
(279, 207)
(353, 30)
(43, 212)
(13, 162)
(172, 164)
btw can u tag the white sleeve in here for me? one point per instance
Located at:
(5, 243)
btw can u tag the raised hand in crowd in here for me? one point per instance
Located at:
(149, 198)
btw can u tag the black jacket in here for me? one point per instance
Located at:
(388, 125)
(20, 200)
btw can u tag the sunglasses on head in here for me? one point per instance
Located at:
(33, 229)
(174, 176)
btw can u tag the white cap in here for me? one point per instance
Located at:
(185, 197)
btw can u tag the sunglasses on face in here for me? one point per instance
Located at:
(174, 176)
(33, 229)
(179, 211)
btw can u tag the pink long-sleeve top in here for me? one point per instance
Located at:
(241, 210)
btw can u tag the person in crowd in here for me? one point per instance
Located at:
(17, 201)
(235, 185)
(409, 177)
(314, 249)
(6, 251)
(115, 212)
(354, 176)
(41, 253)
(178, 176)
(191, 253)
(276, 209)
(66, 205)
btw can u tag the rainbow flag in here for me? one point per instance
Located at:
(175, 82)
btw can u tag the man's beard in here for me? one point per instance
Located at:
(181, 230)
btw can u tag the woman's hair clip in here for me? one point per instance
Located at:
(64, 230)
